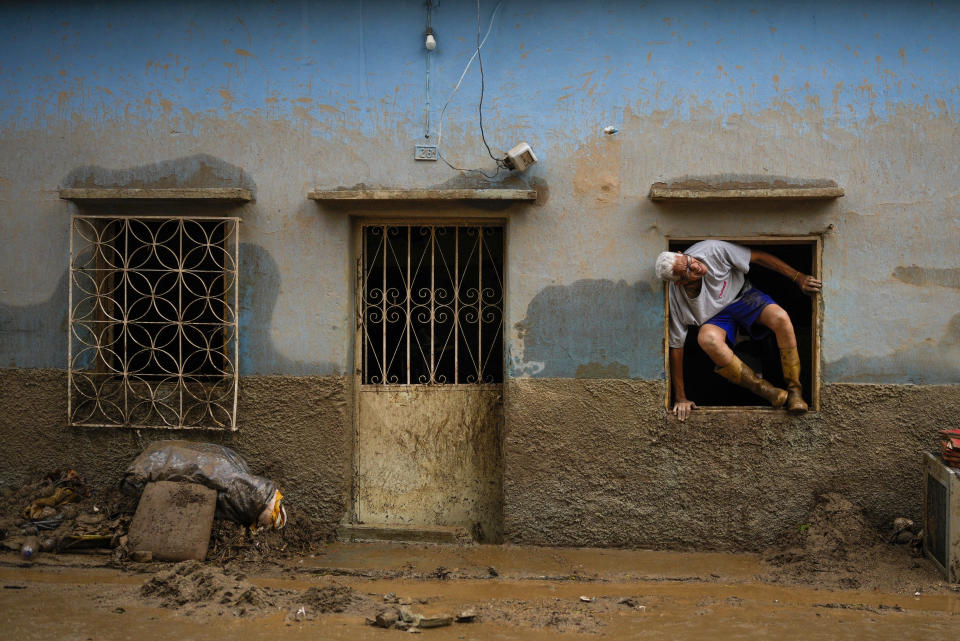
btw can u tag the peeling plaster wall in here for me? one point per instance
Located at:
(287, 97)
(283, 98)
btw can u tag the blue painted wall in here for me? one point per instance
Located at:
(562, 60)
(293, 96)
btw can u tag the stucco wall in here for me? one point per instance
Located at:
(593, 462)
(294, 430)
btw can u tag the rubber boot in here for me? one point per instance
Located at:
(790, 361)
(739, 373)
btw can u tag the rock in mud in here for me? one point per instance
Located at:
(386, 619)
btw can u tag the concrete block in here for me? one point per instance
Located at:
(173, 521)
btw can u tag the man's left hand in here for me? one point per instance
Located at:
(808, 284)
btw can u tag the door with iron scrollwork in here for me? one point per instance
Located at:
(430, 372)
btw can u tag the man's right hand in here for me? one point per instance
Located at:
(683, 408)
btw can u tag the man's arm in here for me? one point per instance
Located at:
(681, 406)
(807, 283)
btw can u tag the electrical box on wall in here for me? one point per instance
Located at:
(941, 516)
(520, 157)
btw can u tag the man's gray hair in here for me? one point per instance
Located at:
(665, 263)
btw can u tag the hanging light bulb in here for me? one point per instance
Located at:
(431, 42)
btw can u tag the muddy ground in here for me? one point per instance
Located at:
(836, 578)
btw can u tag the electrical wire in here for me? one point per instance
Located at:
(456, 87)
(479, 171)
(426, 109)
(480, 104)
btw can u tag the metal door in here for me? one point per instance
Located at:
(430, 364)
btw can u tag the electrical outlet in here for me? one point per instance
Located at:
(425, 152)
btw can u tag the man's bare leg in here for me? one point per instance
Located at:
(713, 341)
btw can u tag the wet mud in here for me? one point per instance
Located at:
(837, 577)
(510, 592)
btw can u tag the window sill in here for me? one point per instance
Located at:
(704, 191)
(344, 196)
(746, 409)
(210, 194)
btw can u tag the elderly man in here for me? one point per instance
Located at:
(708, 288)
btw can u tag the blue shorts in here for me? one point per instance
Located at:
(743, 313)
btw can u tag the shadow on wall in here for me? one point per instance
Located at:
(200, 170)
(928, 363)
(592, 329)
(259, 286)
(36, 335)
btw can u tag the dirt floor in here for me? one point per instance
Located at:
(836, 578)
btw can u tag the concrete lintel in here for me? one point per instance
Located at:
(363, 195)
(235, 194)
(404, 533)
(662, 191)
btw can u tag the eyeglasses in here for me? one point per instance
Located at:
(687, 270)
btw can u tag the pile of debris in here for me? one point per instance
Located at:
(837, 543)
(59, 513)
(192, 587)
(402, 614)
(177, 501)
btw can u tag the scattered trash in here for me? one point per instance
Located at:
(30, 547)
(903, 531)
(79, 542)
(467, 616)
(610, 130)
(631, 602)
(587, 599)
(409, 616)
(441, 573)
(435, 621)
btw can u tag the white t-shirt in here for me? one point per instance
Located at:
(727, 265)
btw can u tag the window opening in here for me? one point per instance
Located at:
(706, 388)
(432, 304)
(153, 323)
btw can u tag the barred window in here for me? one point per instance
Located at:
(153, 322)
(432, 304)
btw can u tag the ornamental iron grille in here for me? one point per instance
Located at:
(153, 322)
(432, 304)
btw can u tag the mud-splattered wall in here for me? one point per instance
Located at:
(282, 98)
